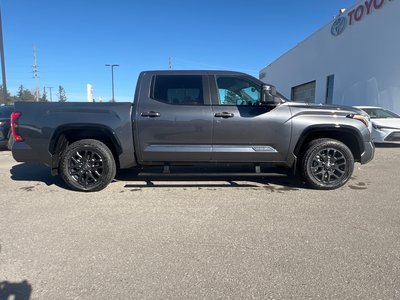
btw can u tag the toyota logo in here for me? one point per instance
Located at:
(339, 26)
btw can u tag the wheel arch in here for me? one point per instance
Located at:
(68, 134)
(347, 135)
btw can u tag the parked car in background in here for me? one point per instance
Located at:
(385, 124)
(6, 138)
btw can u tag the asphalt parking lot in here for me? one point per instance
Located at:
(212, 236)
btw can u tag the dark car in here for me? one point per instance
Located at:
(5, 126)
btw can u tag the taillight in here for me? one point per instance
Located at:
(14, 118)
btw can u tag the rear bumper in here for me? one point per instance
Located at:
(368, 154)
(22, 152)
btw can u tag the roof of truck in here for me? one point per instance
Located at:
(196, 72)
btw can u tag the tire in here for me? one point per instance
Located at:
(327, 164)
(87, 166)
(10, 142)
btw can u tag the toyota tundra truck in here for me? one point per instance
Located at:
(187, 118)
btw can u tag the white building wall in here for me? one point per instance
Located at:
(365, 60)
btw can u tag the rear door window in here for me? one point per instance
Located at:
(178, 89)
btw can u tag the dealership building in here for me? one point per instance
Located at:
(353, 60)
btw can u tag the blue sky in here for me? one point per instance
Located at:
(75, 38)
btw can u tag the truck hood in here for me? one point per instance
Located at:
(337, 109)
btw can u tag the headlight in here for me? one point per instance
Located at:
(360, 118)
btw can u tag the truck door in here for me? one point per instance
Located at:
(244, 129)
(174, 121)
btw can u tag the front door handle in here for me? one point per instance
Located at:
(150, 114)
(224, 115)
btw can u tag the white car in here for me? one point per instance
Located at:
(385, 124)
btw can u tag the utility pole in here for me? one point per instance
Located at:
(51, 98)
(35, 71)
(3, 63)
(170, 63)
(112, 79)
(44, 93)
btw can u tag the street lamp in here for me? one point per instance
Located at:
(50, 87)
(112, 79)
(3, 63)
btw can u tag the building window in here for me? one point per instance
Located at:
(178, 89)
(304, 92)
(330, 82)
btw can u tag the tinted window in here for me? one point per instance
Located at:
(178, 89)
(5, 112)
(237, 91)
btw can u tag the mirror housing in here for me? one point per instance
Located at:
(268, 95)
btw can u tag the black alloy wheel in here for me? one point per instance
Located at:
(87, 165)
(327, 164)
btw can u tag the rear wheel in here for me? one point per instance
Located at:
(87, 165)
(327, 164)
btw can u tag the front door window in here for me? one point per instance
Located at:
(237, 91)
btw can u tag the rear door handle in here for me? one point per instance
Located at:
(150, 114)
(224, 115)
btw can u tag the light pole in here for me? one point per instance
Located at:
(112, 79)
(3, 63)
(51, 98)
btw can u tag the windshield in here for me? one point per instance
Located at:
(380, 113)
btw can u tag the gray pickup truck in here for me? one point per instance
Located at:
(192, 117)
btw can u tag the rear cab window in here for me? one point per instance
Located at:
(178, 89)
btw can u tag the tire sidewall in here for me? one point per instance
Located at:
(316, 147)
(109, 168)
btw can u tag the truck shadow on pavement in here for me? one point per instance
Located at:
(35, 172)
(180, 177)
(18, 291)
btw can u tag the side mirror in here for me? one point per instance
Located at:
(269, 95)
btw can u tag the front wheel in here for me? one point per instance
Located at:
(87, 165)
(327, 164)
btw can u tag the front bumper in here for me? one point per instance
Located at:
(393, 137)
(368, 154)
(386, 135)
